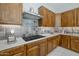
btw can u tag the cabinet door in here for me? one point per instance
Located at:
(43, 48)
(77, 17)
(34, 51)
(56, 40)
(50, 45)
(15, 13)
(71, 18)
(10, 13)
(64, 19)
(68, 18)
(13, 51)
(43, 12)
(51, 19)
(75, 43)
(65, 41)
(48, 17)
(4, 13)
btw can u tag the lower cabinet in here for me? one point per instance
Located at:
(43, 47)
(53, 42)
(16, 51)
(65, 41)
(50, 44)
(37, 48)
(56, 41)
(75, 43)
(34, 51)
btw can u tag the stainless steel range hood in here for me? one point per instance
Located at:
(27, 15)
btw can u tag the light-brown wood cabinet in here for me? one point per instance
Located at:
(75, 43)
(77, 17)
(48, 19)
(43, 47)
(68, 18)
(10, 13)
(56, 41)
(33, 49)
(15, 51)
(65, 41)
(38, 48)
(53, 42)
(50, 44)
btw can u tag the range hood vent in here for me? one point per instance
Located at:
(27, 15)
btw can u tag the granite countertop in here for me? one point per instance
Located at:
(19, 41)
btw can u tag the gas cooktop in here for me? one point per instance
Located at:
(29, 38)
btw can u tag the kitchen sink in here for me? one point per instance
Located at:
(33, 37)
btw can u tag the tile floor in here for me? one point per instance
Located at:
(59, 51)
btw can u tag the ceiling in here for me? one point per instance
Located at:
(55, 7)
(61, 7)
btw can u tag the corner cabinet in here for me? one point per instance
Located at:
(66, 41)
(48, 19)
(10, 13)
(53, 42)
(70, 18)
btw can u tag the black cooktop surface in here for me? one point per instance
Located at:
(29, 38)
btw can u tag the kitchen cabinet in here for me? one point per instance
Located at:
(75, 43)
(50, 44)
(10, 13)
(43, 47)
(56, 41)
(37, 48)
(77, 16)
(48, 19)
(68, 18)
(33, 49)
(53, 42)
(15, 51)
(65, 41)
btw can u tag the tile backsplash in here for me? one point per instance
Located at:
(20, 30)
(45, 30)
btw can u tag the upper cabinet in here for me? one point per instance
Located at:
(68, 18)
(10, 13)
(48, 19)
(77, 17)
